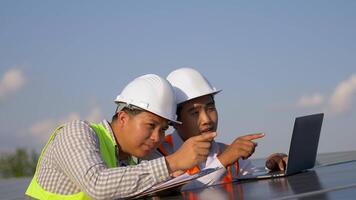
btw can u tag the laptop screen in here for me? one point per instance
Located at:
(304, 143)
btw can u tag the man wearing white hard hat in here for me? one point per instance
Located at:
(197, 112)
(85, 160)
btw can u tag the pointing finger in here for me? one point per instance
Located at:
(252, 136)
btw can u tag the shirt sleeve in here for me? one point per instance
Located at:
(77, 153)
(212, 178)
(245, 166)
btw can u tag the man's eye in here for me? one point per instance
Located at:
(212, 108)
(152, 126)
(194, 113)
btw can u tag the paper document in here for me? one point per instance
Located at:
(177, 181)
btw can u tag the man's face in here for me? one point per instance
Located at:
(198, 116)
(141, 133)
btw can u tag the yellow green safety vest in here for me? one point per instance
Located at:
(107, 151)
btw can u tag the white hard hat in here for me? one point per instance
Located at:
(188, 84)
(151, 93)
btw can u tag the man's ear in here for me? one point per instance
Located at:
(122, 118)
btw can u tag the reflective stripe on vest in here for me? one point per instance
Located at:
(107, 151)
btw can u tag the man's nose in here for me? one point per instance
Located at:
(156, 135)
(205, 117)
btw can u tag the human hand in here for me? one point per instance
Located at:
(277, 161)
(192, 152)
(241, 147)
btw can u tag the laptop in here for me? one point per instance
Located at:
(302, 151)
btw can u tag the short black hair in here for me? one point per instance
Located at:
(132, 111)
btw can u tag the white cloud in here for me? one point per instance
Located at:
(310, 101)
(44, 128)
(94, 115)
(11, 81)
(72, 116)
(341, 99)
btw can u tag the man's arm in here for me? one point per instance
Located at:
(78, 155)
(242, 147)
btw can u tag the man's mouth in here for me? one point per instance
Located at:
(207, 130)
(148, 147)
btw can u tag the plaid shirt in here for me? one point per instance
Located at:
(72, 163)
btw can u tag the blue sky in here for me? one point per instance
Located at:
(274, 60)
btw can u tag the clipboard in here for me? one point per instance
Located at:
(175, 183)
